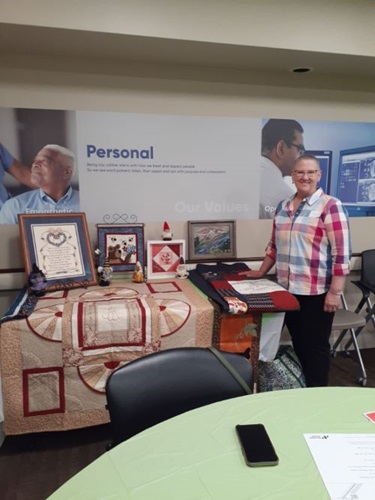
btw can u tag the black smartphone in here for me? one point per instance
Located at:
(256, 445)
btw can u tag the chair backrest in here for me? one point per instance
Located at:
(164, 384)
(368, 268)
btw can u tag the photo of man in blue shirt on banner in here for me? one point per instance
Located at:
(51, 172)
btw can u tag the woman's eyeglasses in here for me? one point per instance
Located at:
(302, 173)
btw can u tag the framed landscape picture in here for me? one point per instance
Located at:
(122, 245)
(211, 240)
(163, 257)
(59, 245)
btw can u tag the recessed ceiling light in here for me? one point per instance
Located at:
(301, 70)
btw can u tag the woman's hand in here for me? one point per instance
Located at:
(267, 264)
(332, 302)
(253, 275)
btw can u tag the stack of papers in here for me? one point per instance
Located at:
(346, 463)
(250, 287)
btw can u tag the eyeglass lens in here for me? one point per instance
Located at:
(300, 148)
(302, 173)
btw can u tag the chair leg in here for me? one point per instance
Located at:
(336, 344)
(361, 303)
(362, 379)
(354, 335)
(369, 305)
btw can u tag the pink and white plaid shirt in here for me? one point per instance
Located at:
(312, 245)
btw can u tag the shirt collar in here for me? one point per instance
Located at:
(310, 200)
(66, 196)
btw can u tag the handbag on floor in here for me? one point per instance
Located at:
(284, 372)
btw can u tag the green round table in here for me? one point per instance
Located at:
(196, 456)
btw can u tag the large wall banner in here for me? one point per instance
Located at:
(167, 167)
(144, 168)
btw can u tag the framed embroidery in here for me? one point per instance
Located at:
(163, 257)
(122, 245)
(59, 245)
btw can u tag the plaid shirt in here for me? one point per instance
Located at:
(310, 246)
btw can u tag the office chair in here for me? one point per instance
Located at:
(164, 384)
(344, 321)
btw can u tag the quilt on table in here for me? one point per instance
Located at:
(55, 362)
(243, 295)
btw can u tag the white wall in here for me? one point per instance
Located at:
(292, 24)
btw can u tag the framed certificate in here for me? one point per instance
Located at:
(59, 245)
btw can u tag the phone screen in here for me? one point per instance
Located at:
(256, 445)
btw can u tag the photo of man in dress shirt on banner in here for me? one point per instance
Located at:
(282, 144)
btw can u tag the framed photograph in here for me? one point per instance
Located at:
(59, 245)
(163, 257)
(212, 240)
(122, 244)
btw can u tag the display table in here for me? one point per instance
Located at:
(55, 362)
(197, 455)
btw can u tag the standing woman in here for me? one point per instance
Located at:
(310, 245)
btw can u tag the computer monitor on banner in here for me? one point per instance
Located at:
(325, 160)
(356, 181)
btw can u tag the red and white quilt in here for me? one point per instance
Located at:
(55, 363)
